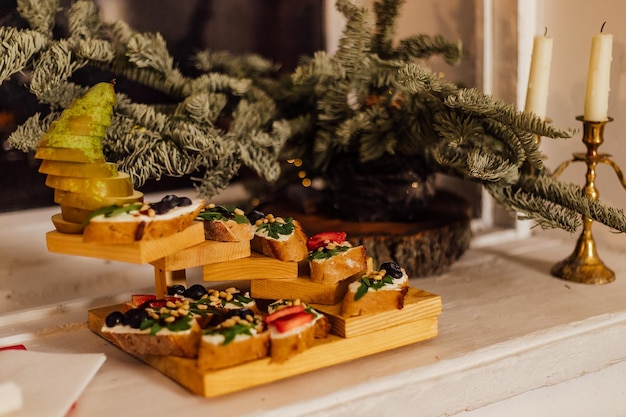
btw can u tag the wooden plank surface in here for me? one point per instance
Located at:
(139, 252)
(204, 253)
(256, 266)
(418, 304)
(302, 288)
(324, 352)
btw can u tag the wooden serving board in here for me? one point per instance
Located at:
(404, 327)
(418, 304)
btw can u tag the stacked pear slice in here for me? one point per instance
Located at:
(72, 157)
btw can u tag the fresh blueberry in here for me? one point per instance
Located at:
(176, 289)
(393, 269)
(195, 292)
(254, 215)
(114, 318)
(135, 316)
(239, 312)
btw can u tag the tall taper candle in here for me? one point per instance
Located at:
(598, 78)
(539, 76)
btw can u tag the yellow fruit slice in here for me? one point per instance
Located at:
(94, 107)
(57, 140)
(91, 156)
(64, 226)
(90, 202)
(119, 186)
(76, 126)
(78, 169)
(74, 214)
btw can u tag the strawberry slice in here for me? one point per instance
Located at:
(292, 321)
(285, 311)
(319, 240)
(139, 299)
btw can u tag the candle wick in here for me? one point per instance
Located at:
(545, 32)
(602, 28)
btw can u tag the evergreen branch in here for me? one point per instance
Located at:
(424, 46)
(17, 48)
(26, 137)
(480, 104)
(204, 107)
(55, 66)
(93, 49)
(82, 20)
(386, 12)
(39, 14)
(218, 177)
(247, 66)
(149, 50)
(572, 197)
(530, 207)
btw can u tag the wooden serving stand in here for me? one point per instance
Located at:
(350, 338)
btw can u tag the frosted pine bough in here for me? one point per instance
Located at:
(235, 113)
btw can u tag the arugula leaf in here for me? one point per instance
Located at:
(327, 253)
(230, 333)
(275, 229)
(146, 324)
(223, 213)
(367, 283)
(184, 323)
(241, 300)
(113, 210)
(361, 291)
(156, 327)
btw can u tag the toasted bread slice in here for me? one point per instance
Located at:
(225, 224)
(286, 345)
(337, 265)
(234, 341)
(278, 238)
(140, 225)
(182, 343)
(375, 292)
(322, 324)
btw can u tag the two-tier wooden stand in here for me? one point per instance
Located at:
(268, 279)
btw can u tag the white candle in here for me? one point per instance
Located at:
(539, 76)
(598, 77)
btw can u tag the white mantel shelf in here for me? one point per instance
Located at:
(507, 328)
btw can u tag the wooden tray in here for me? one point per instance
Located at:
(418, 321)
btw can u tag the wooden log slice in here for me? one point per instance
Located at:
(424, 247)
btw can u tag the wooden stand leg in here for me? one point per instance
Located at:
(164, 279)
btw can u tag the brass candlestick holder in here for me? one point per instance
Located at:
(584, 265)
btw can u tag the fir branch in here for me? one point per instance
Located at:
(247, 66)
(55, 66)
(530, 207)
(149, 50)
(217, 177)
(39, 14)
(203, 107)
(480, 104)
(217, 82)
(572, 197)
(82, 20)
(386, 12)
(26, 137)
(92, 49)
(423, 46)
(17, 48)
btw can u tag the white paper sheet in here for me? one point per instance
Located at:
(50, 383)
